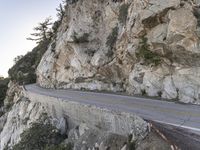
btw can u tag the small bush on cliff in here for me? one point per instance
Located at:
(131, 144)
(196, 12)
(39, 136)
(69, 146)
(112, 38)
(71, 1)
(145, 53)
(3, 89)
(123, 13)
(81, 39)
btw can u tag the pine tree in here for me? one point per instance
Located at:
(60, 12)
(43, 32)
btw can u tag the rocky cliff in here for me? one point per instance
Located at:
(148, 47)
(47, 123)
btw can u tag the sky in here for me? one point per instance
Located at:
(17, 20)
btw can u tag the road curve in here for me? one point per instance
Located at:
(179, 115)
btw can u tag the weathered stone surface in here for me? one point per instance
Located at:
(18, 119)
(76, 121)
(153, 142)
(107, 120)
(3, 119)
(97, 50)
(13, 93)
(95, 139)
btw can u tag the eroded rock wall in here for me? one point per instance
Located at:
(84, 125)
(17, 120)
(140, 47)
(110, 121)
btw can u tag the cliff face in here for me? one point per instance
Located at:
(148, 47)
(76, 124)
(41, 122)
(140, 47)
(18, 119)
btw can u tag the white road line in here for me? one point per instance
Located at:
(112, 95)
(177, 125)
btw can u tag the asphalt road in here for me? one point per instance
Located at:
(179, 115)
(182, 138)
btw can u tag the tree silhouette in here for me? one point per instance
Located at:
(43, 32)
(16, 59)
(60, 11)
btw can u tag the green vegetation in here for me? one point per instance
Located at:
(39, 137)
(71, 1)
(3, 89)
(42, 31)
(143, 91)
(109, 53)
(53, 46)
(90, 52)
(24, 69)
(196, 12)
(112, 38)
(69, 146)
(123, 13)
(146, 54)
(160, 94)
(16, 59)
(131, 144)
(81, 39)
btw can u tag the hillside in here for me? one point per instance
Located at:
(146, 48)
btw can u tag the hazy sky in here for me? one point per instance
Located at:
(17, 19)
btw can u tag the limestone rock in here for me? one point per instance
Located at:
(13, 93)
(20, 118)
(98, 42)
(95, 139)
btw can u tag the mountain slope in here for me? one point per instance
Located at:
(139, 47)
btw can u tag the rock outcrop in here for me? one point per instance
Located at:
(14, 93)
(82, 127)
(147, 47)
(17, 120)
(140, 47)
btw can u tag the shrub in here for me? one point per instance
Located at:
(112, 38)
(90, 52)
(3, 89)
(109, 53)
(81, 39)
(24, 69)
(196, 12)
(143, 91)
(160, 93)
(123, 13)
(71, 1)
(69, 146)
(53, 46)
(131, 144)
(145, 53)
(39, 136)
